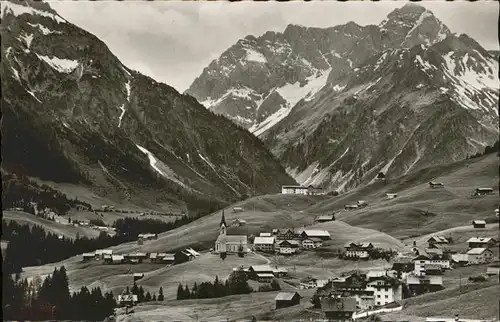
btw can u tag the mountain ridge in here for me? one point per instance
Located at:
(455, 74)
(112, 127)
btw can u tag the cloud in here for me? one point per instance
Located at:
(173, 41)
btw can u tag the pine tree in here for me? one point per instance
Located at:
(140, 295)
(194, 291)
(154, 297)
(160, 294)
(147, 298)
(187, 293)
(180, 292)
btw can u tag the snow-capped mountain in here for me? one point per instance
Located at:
(72, 112)
(258, 81)
(398, 96)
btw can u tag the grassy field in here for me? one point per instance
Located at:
(473, 301)
(110, 217)
(70, 231)
(235, 308)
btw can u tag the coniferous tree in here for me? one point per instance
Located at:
(148, 297)
(180, 292)
(140, 295)
(187, 293)
(154, 297)
(160, 294)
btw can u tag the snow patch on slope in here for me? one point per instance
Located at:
(43, 29)
(255, 56)
(17, 10)
(292, 94)
(62, 65)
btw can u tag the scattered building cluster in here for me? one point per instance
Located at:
(107, 256)
(360, 204)
(290, 241)
(263, 273)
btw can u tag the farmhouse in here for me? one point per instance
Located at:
(148, 236)
(434, 253)
(238, 222)
(325, 218)
(481, 242)
(436, 184)
(100, 253)
(312, 243)
(338, 308)
(88, 256)
(460, 259)
(117, 259)
(308, 282)
(480, 256)
(126, 299)
(237, 209)
(497, 211)
(354, 250)
(419, 284)
(284, 234)
(437, 241)
(230, 244)
(280, 272)
(287, 299)
(135, 258)
(138, 276)
(261, 272)
(479, 224)
(192, 252)
(482, 191)
(265, 235)
(264, 244)
(287, 247)
(351, 207)
(310, 233)
(391, 195)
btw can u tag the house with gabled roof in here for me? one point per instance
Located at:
(437, 240)
(315, 233)
(288, 247)
(338, 308)
(312, 243)
(480, 256)
(481, 242)
(287, 299)
(325, 218)
(479, 224)
(358, 250)
(264, 244)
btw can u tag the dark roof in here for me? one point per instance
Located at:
(223, 219)
(342, 304)
(286, 296)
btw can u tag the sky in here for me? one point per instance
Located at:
(172, 41)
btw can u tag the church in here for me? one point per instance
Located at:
(229, 244)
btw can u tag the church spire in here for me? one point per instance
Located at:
(223, 219)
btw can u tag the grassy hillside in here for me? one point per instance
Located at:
(419, 209)
(70, 231)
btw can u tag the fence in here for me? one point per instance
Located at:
(368, 313)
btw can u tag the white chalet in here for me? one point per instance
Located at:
(312, 243)
(265, 244)
(358, 250)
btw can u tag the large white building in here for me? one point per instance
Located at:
(230, 243)
(301, 190)
(265, 244)
(385, 290)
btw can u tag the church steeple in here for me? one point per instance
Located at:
(223, 219)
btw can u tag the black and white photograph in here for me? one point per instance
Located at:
(247, 161)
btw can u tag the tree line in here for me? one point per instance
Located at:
(51, 299)
(237, 283)
(33, 246)
(144, 297)
(20, 191)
